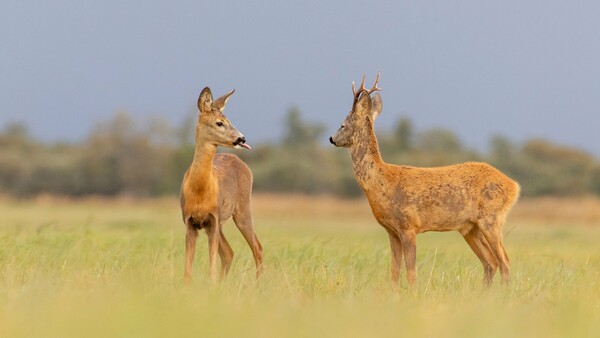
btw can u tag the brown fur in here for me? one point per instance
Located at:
(215, 188)
(471, 198)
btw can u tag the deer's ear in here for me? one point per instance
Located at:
(205, 100)
(376, 106)
(363, 105)
(222, 101)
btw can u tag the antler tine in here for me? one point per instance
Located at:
(362, 85)
(375, 88)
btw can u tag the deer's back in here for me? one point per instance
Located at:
(474, 178)
(442, 198)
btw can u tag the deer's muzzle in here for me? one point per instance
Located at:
(241, 143)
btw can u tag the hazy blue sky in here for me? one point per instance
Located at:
(519, 68)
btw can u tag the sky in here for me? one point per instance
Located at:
(523, 69)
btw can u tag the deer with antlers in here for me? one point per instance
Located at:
(217, 187)
(471, 198)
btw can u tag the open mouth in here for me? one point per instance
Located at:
(241, 143)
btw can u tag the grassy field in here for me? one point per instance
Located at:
(98, 268)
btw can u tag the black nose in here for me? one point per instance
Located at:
(331, 140)
(240, 140)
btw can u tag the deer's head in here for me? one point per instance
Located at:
(213, 126)
(365, 110)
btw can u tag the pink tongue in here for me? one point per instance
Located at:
(245, 146)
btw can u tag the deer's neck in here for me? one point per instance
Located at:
(366, 157)
(201, 169)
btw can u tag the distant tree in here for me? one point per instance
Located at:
(396, 144)
(186, 133)
(298, 132)
(438, 147)
(439, 140)
(298, 164)
(506, 156)
(595, 181)
(123, 156)
(15, 133)
(502, 149)
(18, 155)
(553, 169)
(404, 134)
(120, 158)
(56, 171)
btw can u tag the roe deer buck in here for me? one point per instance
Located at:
(473, 198)
(217, 187)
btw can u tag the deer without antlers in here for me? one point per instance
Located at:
(216, 187)
(472, 198)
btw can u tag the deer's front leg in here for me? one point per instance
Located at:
(190, 251)
(213, 233)
(409, 246)
(396, 247)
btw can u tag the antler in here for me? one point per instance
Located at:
(363, 89)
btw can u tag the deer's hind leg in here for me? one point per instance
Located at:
(491, 228)
(474, 237)
(225, 252)
(243, 220)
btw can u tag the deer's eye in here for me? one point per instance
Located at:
(342, 127)
(220, 124)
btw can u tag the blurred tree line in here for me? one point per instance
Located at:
(121, 156)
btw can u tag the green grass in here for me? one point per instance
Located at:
(107, 269)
